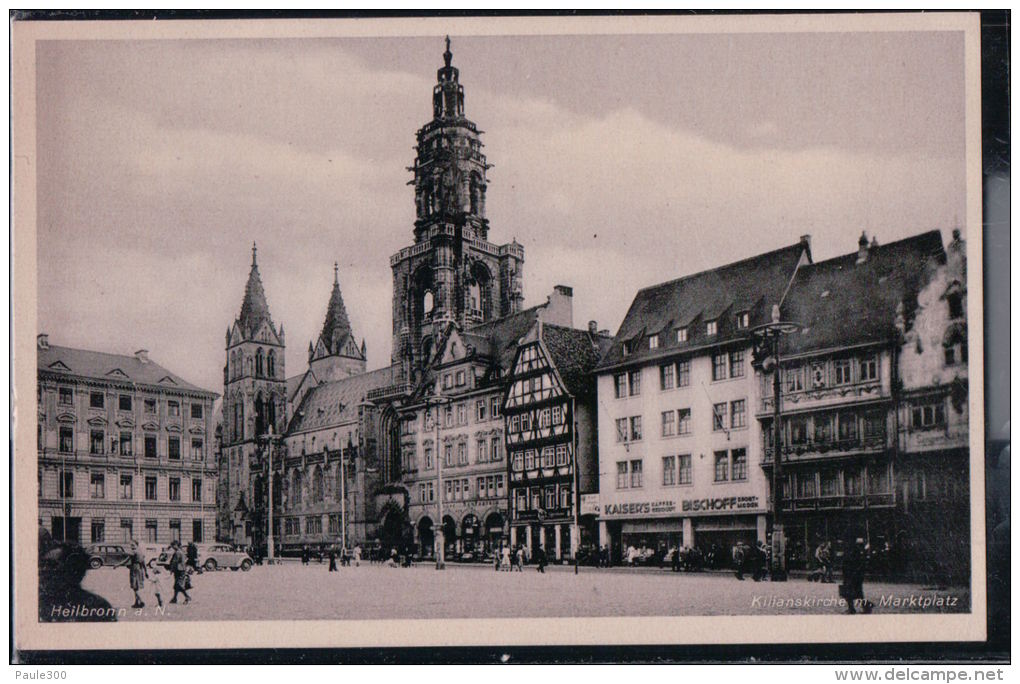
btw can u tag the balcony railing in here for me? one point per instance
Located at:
(843, 502)
(389, 392)
(811, 449)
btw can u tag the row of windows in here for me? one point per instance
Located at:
(486, 451)
(825, 428)
(725, 416)
(729, 466)
(680, 335)
(544, 418)
(542, 498)
(458, 415)
(123, 444)
(126, 489)
(833, 372)
(125, 402)
(833, 482)
(678, 374)
(548, 457)
(127, 532)
(486, 487)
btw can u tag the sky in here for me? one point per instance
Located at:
(619, 161)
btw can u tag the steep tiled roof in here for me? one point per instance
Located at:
(840, 302)
(292, 384)
(752, 285)
(575, 356)
(83, 363)
(336, 402)
(501, 335)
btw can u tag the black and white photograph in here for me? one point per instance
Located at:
(450, 331)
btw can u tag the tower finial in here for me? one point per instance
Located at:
(254, 249)
(336, 273)
(447, 56)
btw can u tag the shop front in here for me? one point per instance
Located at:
(645, 532)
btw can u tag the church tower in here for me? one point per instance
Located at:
(452, 273)
(254, 390)
(335, 354)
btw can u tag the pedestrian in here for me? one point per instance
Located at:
(179, 567)
(739, 556)
(506, 558)
(497, 558)
(192, 556)
(761, 555)
(540, 558)
(155, 576)
(304, 555)
(136, 573)
(852, 588)
(332, 559)
(357, 555)
(824, 557)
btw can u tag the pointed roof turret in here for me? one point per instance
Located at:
(254, 309)
(337, 326)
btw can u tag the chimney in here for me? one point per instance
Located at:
(806, 240)
(43, 341)
(862, 248)
(142, 355)
(593, 328)
(559, 309)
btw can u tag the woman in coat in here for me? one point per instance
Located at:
(136, 573)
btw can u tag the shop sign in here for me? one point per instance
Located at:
(641, 507)
(724, 503)
(589, 504)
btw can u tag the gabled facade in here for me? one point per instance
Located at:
(677, 439)
(126, 449)
(549, 414)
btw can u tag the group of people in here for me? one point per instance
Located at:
(346, 557)
(510, 559)
(182, 564)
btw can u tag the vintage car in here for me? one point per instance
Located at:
(214, 556)
(110, 555)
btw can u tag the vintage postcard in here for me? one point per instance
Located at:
(483, 331)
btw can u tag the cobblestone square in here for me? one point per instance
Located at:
(290, 591)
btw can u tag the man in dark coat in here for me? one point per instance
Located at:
(541, 559)
(852, 589)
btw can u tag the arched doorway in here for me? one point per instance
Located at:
(426, 538)
(390, 534)
(449, 535)
(494, 529)
(470, 532)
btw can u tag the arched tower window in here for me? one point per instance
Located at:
(260, 415)
(250, 365)
(428, 303)
(260, 362)
(316, 493)
(271, 364)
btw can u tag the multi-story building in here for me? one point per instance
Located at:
(125, 449)
(677, 442)
(870, 347)
(551, 437)
(933, 473)
(465, 386)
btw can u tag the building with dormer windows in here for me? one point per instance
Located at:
(126, 449)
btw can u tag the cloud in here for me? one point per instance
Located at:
(160, 164)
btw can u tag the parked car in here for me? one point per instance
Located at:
(152, 552)
(216, 556)
(110, 555)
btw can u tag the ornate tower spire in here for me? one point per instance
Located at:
(254, 308)
(335, 354)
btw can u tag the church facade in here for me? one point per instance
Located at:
(346, 452)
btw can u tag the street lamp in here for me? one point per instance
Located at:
(769, 335)
(267, 440)
(440, 535)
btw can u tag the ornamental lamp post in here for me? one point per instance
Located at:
(440, 535)
(266, 441)
(766, 357)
